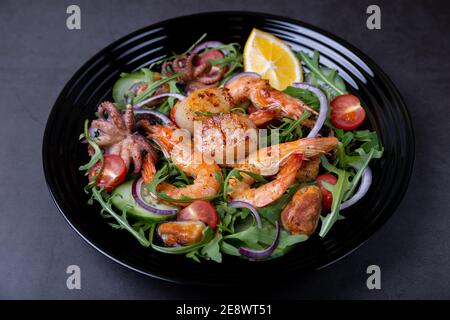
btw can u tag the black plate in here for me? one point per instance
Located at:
(63, 154)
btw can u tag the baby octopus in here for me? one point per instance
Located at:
(117, 135)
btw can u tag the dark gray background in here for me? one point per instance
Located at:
(38, 55)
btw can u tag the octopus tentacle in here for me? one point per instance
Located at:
(202, 69)
(113, 114)
(129, 119)
(184, 66)
(213, 76)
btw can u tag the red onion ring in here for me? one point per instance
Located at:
(243, 204)
(323, 107)
(264, 253)
(161, 116)
(240, 75)
(159, 96)
(207, 44)
(136, 193)
(366, 181)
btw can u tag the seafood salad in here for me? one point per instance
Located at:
(221, 151)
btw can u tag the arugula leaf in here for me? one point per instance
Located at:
(338, 191)
(304, 95)
(194, 254)
(327, 79)
(173, 89)
(121, 219)
(212, 249)
(98, 154)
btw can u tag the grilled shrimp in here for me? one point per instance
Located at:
(268, 102)
(266, 161)
(191, 163)
(269, 192)
(266, 99)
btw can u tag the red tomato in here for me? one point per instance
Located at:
(327, 197)
(209, 55)
(347, 112)
(172, 114)
(200, 210)
(113, 173)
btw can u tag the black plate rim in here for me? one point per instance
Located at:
(378, 70)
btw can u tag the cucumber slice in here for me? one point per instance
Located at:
(122, 199)
(123, 85)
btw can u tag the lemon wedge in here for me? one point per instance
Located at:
(272, 59)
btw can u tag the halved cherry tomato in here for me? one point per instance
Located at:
(172, 114)
(327, 197)
(113, 173)
(209, 55)
(347, 112)
(200, 210)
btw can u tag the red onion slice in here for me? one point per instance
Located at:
(159, 115)
(264, 253)
(243, 204)
(136, 189)
(159, 96)
(323, 107)
(240, 75)
(207, 45)
(366, 181)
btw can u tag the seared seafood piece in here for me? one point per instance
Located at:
(117, 135)
(226, 138)
(264, 97)
(269, 192)
(309, 170)
(199, 102)
(302, 214)
(266, 161)
(268, 102)
(181, 233)
(190, 162)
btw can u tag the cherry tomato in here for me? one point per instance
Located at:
(200, 210)
(209, 55)
(113, 173)
(172, 114)
(347, 112)
(327, 197)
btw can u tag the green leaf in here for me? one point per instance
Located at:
(98, 154)
(338, 191)
(287, 239)
(304, 95)
(193, 255)
(212, 249)
(327, 79)
(173, 89)
(121, 219)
